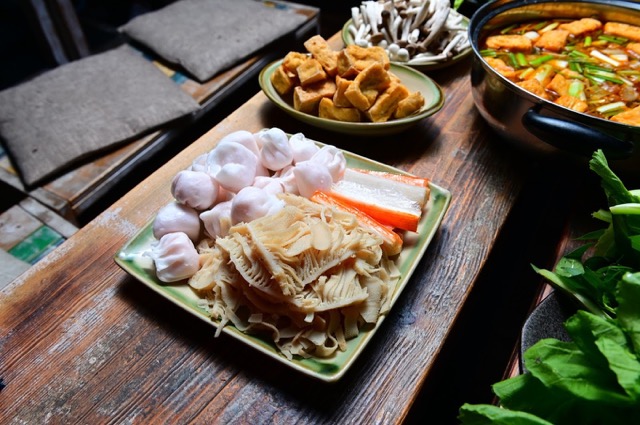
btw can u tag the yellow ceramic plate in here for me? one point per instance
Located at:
(133, 258)
(420, 65)
(412, 79)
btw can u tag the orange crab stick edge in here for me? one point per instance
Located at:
(392, 242)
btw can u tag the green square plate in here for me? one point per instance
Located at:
(133, 258)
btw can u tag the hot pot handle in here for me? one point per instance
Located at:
(572, 136)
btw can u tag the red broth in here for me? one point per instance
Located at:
(586, 65)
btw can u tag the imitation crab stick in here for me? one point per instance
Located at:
(403, 178)
(392, 242)
(415, 189)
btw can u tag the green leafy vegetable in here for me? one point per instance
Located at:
(594, 378)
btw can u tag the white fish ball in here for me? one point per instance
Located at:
(235, 177)
(243, 137)
(333, 159)
(175, 217)
(276, 153)
(312, 176)
(252, 203)
(175, 257)
(195, 189)
(303, 148)
(217, 220)
(230, 153)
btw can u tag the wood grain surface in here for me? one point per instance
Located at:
(83, 342)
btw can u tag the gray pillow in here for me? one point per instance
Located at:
(81, 108)
(208, 36)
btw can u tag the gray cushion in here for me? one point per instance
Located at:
(208, 36)
(84, 107)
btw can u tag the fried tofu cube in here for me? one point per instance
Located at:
(306, 99)
(387, 103)
(310, 71)
(559, 84)
(630, 117)
(501, 66)
(409, 105)
(322, 52)
(581, 26)
(327, 109)
(339, 99)
(534, 86)
(619, 29)
(353, 59)
(293, 60)
(282, 81)
(513, 43)
(572, 102)
(634, 48)
(553, 40)
(326, 88)
(367, 86)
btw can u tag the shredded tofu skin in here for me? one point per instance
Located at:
(310, 276)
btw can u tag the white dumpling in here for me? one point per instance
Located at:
(311, 177)
(175, 217)
(276, 153)
(232, 165)
(217, 220)
(200, 163)
(288, 179)
(251, 203)
(271, 185)
(333, 159)
(175, 257)
(243, 137)
(195, 189)
(302, 148)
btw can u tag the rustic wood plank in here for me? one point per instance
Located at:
(82, 341)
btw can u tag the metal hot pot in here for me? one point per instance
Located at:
(536, 124)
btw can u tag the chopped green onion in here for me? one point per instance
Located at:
(605, 76)
(599, 55)
(629, 72)
(540, 25)
(576, 67)
(521, 59)
(488, 52)
(543, 72)
(613, 39)
(507, 29)
(550, 27)
(524, 75)
(540, 60)
(609, 107)
(576, 89)
(587, 41)
(578, 54)
(512, 60)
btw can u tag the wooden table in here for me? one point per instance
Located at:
(83, 342)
